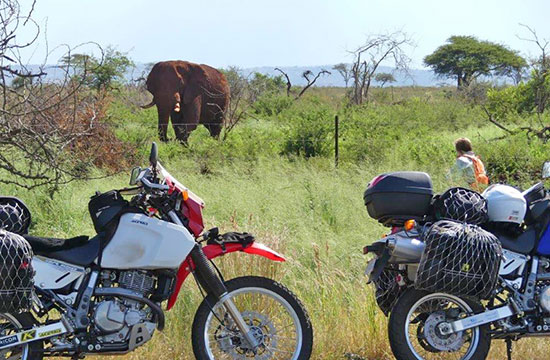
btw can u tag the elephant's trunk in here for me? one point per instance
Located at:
(148, 105)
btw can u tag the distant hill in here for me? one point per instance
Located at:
(415, 77)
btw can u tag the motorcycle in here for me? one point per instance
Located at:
(437, 324)
(104, 295)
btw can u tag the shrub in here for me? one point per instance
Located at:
(309, 129)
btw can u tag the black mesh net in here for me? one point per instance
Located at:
(388, 290)
(459, 259)
(16, 273)
(461, 205)
(14, 215)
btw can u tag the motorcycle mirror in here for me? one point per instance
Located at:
(546, 170)
(153, 157)
(134, 175)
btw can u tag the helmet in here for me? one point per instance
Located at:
(505, 203)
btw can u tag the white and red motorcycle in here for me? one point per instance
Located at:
(103, 295)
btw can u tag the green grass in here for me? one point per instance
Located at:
(305, 208)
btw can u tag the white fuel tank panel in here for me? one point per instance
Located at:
(142, 242)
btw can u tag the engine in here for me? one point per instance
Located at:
(121, 320)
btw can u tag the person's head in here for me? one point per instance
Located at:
(462, 146)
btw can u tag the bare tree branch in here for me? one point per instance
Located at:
(377, 49)
(288, 84)
(50, 133)
(310, 82)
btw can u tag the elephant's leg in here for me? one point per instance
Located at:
(189, 120)
(164, 115)
(214, 125)
(178, 123)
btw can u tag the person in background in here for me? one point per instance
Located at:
(468, 167)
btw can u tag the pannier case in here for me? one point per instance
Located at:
(395, 197)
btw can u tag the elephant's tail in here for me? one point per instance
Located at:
(148, 105)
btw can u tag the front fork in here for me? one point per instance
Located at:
(211, 282)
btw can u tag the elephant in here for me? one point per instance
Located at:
(190, 94)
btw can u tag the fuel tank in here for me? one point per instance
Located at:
(142, 242)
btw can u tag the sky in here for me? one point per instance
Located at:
(250, 33)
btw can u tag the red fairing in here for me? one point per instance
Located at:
(191, 208)
(213, 251)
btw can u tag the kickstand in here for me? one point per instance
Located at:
(509, 348)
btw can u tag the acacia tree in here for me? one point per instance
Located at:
(344, 70)
(368, 57)
(465, 58)
(384, 78)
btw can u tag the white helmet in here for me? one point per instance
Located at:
(505, 204)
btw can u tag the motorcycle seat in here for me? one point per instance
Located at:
(522, 244)
(79, 250)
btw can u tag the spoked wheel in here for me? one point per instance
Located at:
(414, 332)
(276, 318)
(12, 324)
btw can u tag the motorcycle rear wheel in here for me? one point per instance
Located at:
(413, 333)
(14, 323)
(278, 319)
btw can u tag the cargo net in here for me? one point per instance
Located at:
(388, 290)
(462, 205)
(459, 259)
(16, 273)
(14, 216)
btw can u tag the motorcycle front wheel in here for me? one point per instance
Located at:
(275, 316)
(414, 334)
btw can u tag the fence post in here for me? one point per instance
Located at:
(336, 141)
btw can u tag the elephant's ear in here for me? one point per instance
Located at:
(190, 92)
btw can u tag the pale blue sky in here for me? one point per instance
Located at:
(251, 33)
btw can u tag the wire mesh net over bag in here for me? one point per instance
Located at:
(459, 259)
(15, 217)
(16, 273)
(462, 205)
(387, 290)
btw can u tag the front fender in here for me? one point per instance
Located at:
(213, 251)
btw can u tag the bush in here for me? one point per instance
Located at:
(309, 129)
(509, 101)
(272, 104)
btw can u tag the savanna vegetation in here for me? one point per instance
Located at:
(272, 172)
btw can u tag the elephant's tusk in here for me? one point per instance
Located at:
(148, 105)
(177, 107)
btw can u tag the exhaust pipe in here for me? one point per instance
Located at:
(404, 250)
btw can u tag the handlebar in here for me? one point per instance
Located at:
(148, 184)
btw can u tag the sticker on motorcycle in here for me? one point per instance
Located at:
(29, 335)
(8, 341)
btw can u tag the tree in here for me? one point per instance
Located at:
(384, 78)
(51, 133)
(368, 57)
(466, 58)
(103, 73)
(539, 84)
(308, 75)
(344, 70)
